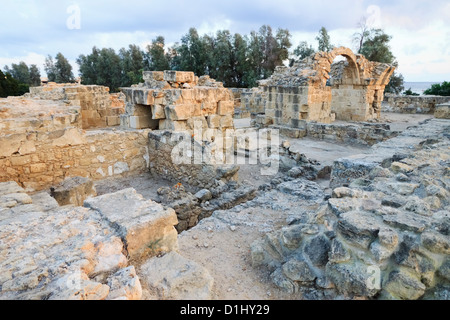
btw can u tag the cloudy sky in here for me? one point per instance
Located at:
(32, 29)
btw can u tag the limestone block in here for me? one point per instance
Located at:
(73, 191)
(226, 121)
(225, 108)
(172, 125)
(179, 76)
(197, 122)
(153, 75)
(141, 122)
(176, 278)
(145, 226)
(442, 111)
(213, 121)
(70, 137)
(11, 144)
(158, 112)
(112, 121)
(180, 112)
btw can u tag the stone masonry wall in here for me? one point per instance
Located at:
(97, 110)
(412, 104)
(173, 100)
(38, 160)
(21, 115)
(161, 163)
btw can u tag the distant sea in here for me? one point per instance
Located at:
(418, 87)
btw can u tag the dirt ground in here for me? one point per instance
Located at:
(222, 242)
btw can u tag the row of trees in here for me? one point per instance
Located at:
(17, 79)
(236, 60)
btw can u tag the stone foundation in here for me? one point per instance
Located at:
(412, 104)
(38, 160)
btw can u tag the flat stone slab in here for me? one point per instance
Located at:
(57, 254)
(144, 225)
(174, 277)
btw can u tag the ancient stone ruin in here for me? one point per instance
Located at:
(168, 190)
(315, 89)
(174, 100)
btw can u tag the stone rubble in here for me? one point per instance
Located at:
(391, 221)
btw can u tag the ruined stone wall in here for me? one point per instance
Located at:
(38, 160)
(362, 133)
(22, 115)
(240, 110)
(318, 90)
(161, 162)
(173, 100)
(288, 105)
(97, 110)
(412, 104)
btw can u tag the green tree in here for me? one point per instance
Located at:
(409, 92)
(243, 76)
(192, 56)
(50, 69)
(132, 65)
(376, 48)
(301, 52)
(63, 69)
(9, 86)
(101, 67)
(18, 78)
(35, 76)
(157, 60)
(439, 89)
(323, 38)
(222, 59)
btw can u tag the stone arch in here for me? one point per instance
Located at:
(352, 69)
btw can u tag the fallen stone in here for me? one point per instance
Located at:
(10, 187)
(358, 227)
(297, 270)
(317, 250)
(403, 285)
(351, 279)
(304, 189)
(124, 285)
(174, 277)
(73, 191)
(144, 226)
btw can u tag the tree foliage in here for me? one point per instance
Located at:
(409, 92)
(323, 38)
(439, 89)
(17, 79)
(302, 51)
(375, 47)
(102, 67)
(9, 86)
